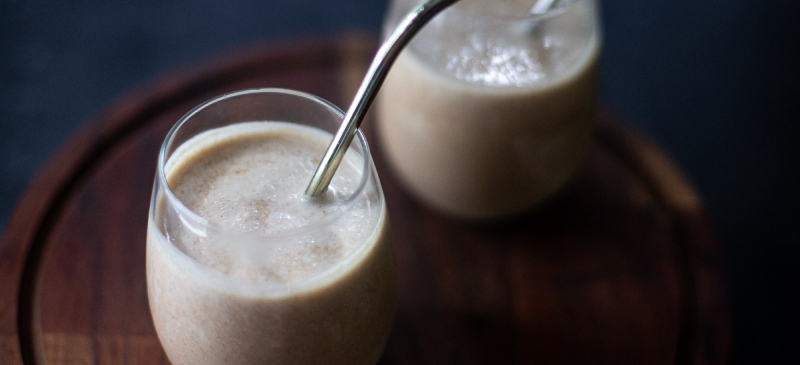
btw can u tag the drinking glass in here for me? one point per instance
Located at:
(339, 314)
(489, 111)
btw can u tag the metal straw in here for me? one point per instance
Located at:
(542, 6)
(386, 55)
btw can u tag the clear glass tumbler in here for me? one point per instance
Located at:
(489, 111)
(321, 290)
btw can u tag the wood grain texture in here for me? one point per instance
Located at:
(621, 267)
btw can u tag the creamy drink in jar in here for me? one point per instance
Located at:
(241, 267)
(489, 110)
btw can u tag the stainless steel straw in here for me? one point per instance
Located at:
(383, 60)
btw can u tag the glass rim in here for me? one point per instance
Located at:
(557, 9)
(184, 211)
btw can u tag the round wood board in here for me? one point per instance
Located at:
(621, 267)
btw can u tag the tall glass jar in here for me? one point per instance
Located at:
(489, 111)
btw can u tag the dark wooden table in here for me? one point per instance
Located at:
(622, 267)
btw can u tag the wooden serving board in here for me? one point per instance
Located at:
(622, 267)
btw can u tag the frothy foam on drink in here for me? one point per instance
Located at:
(249, 180)
(511, 50)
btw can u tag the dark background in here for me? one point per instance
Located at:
(715, 82)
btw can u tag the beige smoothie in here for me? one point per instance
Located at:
(272, 277)
(489, 121)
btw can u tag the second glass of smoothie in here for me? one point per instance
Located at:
(489, 111)
(242, 268)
